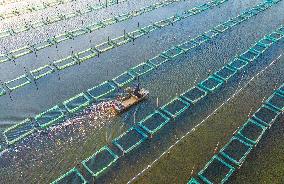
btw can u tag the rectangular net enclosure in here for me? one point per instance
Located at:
(103, 47)
(252, 131)
(109, 21)
(193, 11)
(193, 181)
(238, 63)
(204, 6)
(201, 39)
(280, 30)
(71, 177)
(95, 26)
(18, 82)
(211, 33)
(61, 37)
(42, 72)
(211, 83)
(43, 44)
(281, 89)
(240, 18)
(130, 139)
(249, 55)
(37, 24)
(231, 23)
(20, 52)
(4, 58)
(276, 101)
(175, 107)
(266, 115)
(19, 131)
(54, 18)
(259, 47)
(136, 34)
(173, 52)
(123, 17)
(78, 32)
(77, 102)
(162, 23)
(49, 117)
(154, 122)
(123, 79)
(221, 28)
(148, 29)
(101, 90)
(225, 73)
(236, 150)
(216, 171)
(64, 63)
(158, 60)
(2, 91)
(186, 46)
(174, 19)
(266, 41)
(121, 40)
(100, 161)
(142, 69)
(85, 55)
(276, 36)
(194, 94)
(21, 29)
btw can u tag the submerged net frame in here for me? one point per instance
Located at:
(276, 101)
(20, 52)
(173, 52)
(222, 163)
(123, 79)
(49, 117)
(250, 55)
(211, 83)
(194, 94)
(72, 176)
(142, 69)
(4, 58)
(104, 155)
(259, 47)
(225, 73)
(140, 136)
(98, 91)
(25, 79)
(266, 115)
(86, 55)
(249, 126)
(238, 63)
(43, 44)
(158, 60)
(19, 131)
(42, 72)
(154, 122)
(281, 89)
(193, 181)
(200, 39)
(187, 45)
(231, 153)
(74, 104)
(168, 107)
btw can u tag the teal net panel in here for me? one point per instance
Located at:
(77, 102)
(2, 91)
(71, 177)
(193, 181)
(18, 82)
(3, 58)
(20, 52)
(142, 69)
(231, 23)
(130, 139)
(105, 46)
(136, 34)
(162, 23)
(158, 60)
(65, 62)
(276, 101)
(225, 73)
(148, 29)
(42, 72)
(49, 117)
(154, 122)
(211, 83)
(238, 64)
(61, 37)
(86, 55)
(175, 107)
(276, 36)
(100, 161)
(249, 55)
(216, 171)
(19, 131)
(123, 79)
(186, 46)
(221, 28)
(194, 94)
(266, 115)
(252, 131)
(201, 39)
(259, 47)
(173, 52)
(121, 40)
(43, 45)
(211, 33)
(266, 41)
(101, 90)
(236, 150)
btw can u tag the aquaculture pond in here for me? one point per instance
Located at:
(214, 71)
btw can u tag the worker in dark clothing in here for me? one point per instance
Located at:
(137, 91)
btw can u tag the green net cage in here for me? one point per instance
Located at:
(77, 102)
(175, 107)
(71, 177)
(49, 117)
(101, 90)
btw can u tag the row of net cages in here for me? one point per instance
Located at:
(231, 157)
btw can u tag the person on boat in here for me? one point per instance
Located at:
(137, 91)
